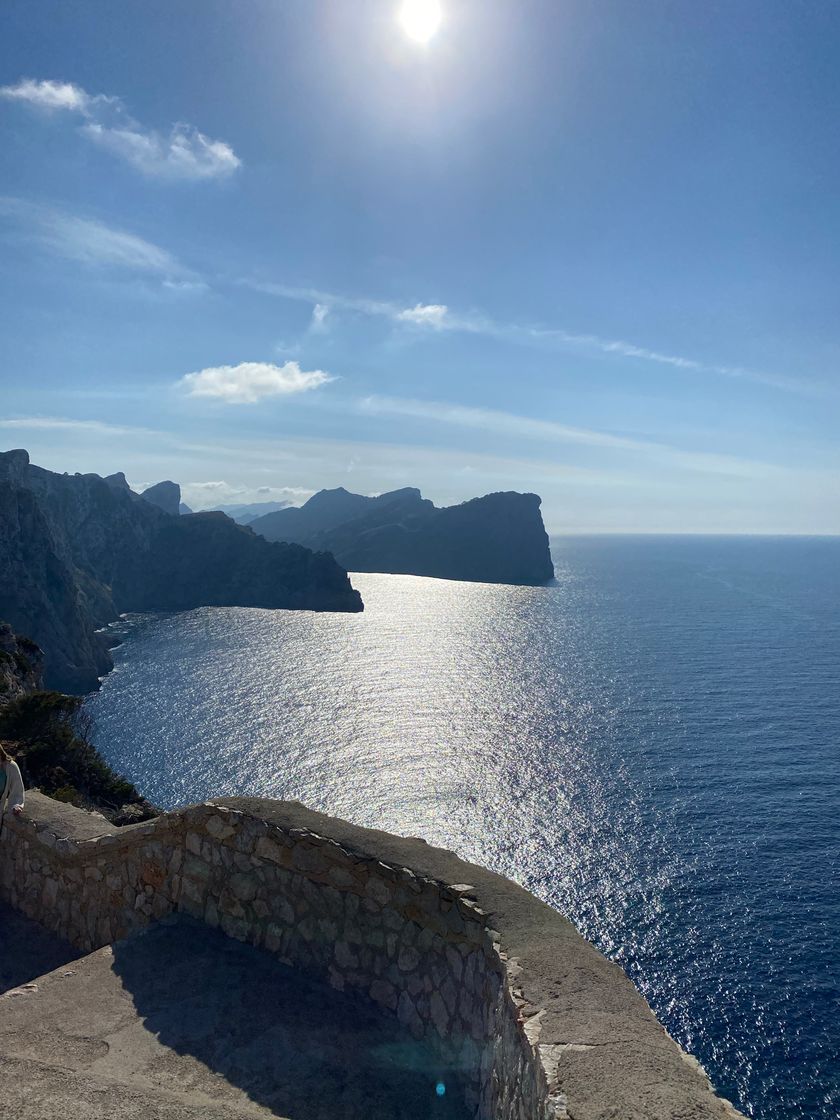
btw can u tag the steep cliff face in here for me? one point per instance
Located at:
(499, 538)
(21, 665)
(76, 551)
(205, 559)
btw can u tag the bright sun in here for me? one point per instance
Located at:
(420, 19)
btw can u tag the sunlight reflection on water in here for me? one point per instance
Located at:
(596, 740)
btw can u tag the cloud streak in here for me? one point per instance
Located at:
(94, 244)
(184, 153)
(250, 382)
(69, 424)
(550, 432)
(440, 317)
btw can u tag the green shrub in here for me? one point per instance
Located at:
(51, 732)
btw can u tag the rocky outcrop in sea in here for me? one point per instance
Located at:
(499, 538)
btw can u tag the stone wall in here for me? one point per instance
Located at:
(533, 1023)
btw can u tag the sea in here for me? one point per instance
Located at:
(651, 744)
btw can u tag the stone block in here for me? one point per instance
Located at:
(218, 828)
(408, 958)
(341, 877)
(234, 927)
(344, 955)
(378, 890)
(243, 886)
(269, 849)
(383, 993)
(307, 858)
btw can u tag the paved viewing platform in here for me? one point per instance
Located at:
(181, 1021)
(252, 958)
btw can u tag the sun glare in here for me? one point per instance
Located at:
(420, 19)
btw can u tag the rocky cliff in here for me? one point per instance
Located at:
(77, 550)
(329, 509)
(21, 665)
(166, 496)
(499, 538)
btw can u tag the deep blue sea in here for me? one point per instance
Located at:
(652, 745)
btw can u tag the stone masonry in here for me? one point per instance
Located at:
(538, 1025)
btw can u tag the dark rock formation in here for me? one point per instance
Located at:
(232, 567)
(118, 481)
(183, 508)
(499, 538)
(166, 496)
(330, 508)
(77, 550)
(21, 664)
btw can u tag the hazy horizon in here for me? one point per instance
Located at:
(585, 250)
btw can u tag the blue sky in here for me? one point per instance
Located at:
(590, 249)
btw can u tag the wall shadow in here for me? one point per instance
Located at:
(28, 950)
(293, 1045)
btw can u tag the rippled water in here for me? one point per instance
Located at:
(651, 745)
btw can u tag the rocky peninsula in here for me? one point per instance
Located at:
(499, 538)
(76, 551)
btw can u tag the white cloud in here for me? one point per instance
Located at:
(182, 153)
(249, 382)
(424, 315)
(211, 495)
(51, 96)
(185, 153)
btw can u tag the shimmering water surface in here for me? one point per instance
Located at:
(651, 745)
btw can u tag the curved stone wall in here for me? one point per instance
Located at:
(531, 1022)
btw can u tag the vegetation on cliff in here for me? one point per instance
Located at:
(21, 664)
(48, 735)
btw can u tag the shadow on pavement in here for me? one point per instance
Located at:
(28, 950)
(295, 1046)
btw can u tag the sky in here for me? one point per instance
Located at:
(586, 248)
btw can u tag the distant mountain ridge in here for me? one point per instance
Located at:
(78, 550)
(329, 509)
(499, 538)
(246, 512)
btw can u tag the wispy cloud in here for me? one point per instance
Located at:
(439, 317)
(250, 382)
(183, 153)
(69, 424)
(424, 315)
(550, 432)
(629, 350)
(93, 243)
(320, 313)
